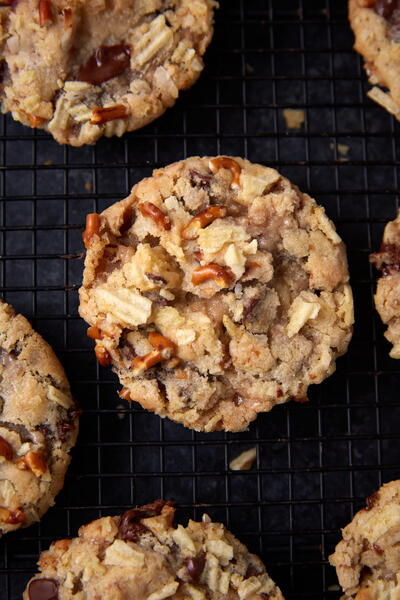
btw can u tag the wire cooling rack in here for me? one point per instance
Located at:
(316, 462)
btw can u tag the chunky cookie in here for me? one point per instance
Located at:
(367, 560)
(216, 290)
(38, 423)
(376, 25)
(143, 555)
(81, 69)
(387, 297)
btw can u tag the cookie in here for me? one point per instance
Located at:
(387, 297)
(38, 423)
(143, 555)
(216, 290)
(82, 69)
(376, 26)
(367, 560)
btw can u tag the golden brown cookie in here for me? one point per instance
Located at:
(367, 560)
(81, 69)
(143, 555)
(387, 297)
(38, 423)
(376, 26)
(216, 290)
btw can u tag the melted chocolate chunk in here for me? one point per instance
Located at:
(65, 426)
(200, 179)
(377, 549)
(251, 571)
(237, 399)
(387, 259)
(130, 527)
(250, 306)
(43, 589)
(195, 566)
(386, 8)
(156, 278)
(372, 500)
(104, 64)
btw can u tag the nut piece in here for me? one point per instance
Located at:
(6, 450)
(222, 276)
(11, 517)
(45, 12)
(207, 216)
(303, 308)
(92, 228)
(148, 209)
(244, 461)
(102, 355)
(36, 462)
(224, 162)
(108, 113)
(94, 333)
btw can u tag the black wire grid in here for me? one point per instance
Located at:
(316, 462)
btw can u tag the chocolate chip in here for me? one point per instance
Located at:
(104, 64)
(251, 571)
(385, 8)
(156, 278)
(65, 426)
(195, 566)
(250, 306)
(387, 259)
(200, 179)
(237, 400)
(377, 549)
(131, 528)
(43, 589)
(372, 500)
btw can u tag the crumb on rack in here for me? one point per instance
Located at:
(342, 149)
(294, 118)
(244, 461)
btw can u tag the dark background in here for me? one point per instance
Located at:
(316, 462)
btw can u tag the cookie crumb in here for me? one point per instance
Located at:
(244, 461)
(342, 149)
(294, 118)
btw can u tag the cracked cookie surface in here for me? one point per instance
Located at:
(376, 26)
(367, 560)
(216, 290)
(81, 69)
(38, 423)
(143, 555)
(387, 296)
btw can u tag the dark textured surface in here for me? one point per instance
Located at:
(316, 462)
